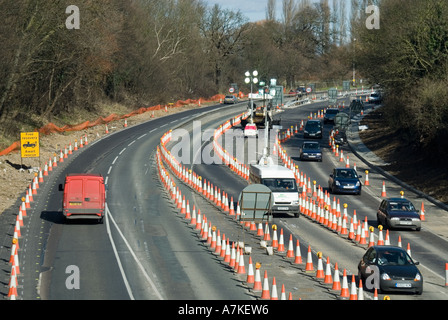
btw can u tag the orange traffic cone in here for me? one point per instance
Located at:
(383, 191)
(298, 257)
(344, 289)
(309, 261)
(336, 281)
(328, 277)
(274, 295)
(353, 291)
(257, 280)
(265, 292)
(320, 267)
(290, 252)
(422, 212)
(250, 273)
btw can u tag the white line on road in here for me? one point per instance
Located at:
(142, 269)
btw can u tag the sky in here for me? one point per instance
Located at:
(254, 10)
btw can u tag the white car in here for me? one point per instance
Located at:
(251, 130)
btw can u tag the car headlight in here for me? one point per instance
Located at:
(395, 219)
(305, 153)
(418, 277)
(358, 184)
(385, 276)
(337, 183)
(305, 131)
(415, 219)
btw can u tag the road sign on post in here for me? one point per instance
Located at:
(332, 95)
(29, 144)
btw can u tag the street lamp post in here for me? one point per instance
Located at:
(252, 79)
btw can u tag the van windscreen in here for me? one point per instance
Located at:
(280, 184)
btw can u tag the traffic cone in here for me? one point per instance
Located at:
(281, 244)
(187, 212)
(399, 241)
(183, 208)
(351, 233)
(274, 295)
(241, 267)
(328, 277)
(232, 256)
(12, 292)
(223, 246)
(422, 212)
(320, 268)
(344, 289)
(383, 191)
(283, 293)
(265, 292)
(218, 247)
(257, 280)
(274, 243)
(408, 249)
(227, 254)
(309, 261)
(353, 291)
(231, 209)
(250, 273)
(267, 234)
(260, 230)
(360, 291)
(366, 182)
(336, 281)
(290, 252)
(380, 241)
(298, 255)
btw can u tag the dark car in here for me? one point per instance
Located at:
(390, 268)
(344, 180)
(330, 113)
(340, 137)
(313, 129)
(398, 213)
(310, 150)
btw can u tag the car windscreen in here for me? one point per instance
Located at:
(332, 111)
(280, 184)
(393, 257)
(401, 206)
(311, 146)
(347, 174)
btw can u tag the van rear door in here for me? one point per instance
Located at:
(92, 194)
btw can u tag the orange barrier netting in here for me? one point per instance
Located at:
(52, 128)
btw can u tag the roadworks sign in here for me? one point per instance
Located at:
(29, 144)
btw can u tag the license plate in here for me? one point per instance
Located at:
(283, 208)
(403, 285)
(75, 203)
(349, 187)
(406, 222)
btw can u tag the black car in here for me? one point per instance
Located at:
(398, 213)
(310, 150)
(330, 114)
(313, 129)
(344, 180)
(390, 268)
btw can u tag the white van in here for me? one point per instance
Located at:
(282, 183)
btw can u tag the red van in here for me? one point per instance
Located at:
(84, 196)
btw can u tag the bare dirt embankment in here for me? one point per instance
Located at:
(411, 166)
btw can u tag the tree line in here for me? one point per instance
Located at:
(408, 57)
(147, 52)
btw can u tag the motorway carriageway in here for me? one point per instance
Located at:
(345, 252)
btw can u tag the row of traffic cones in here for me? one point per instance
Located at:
(229, 251)
(27, 200)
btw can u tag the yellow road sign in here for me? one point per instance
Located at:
(29, 144)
